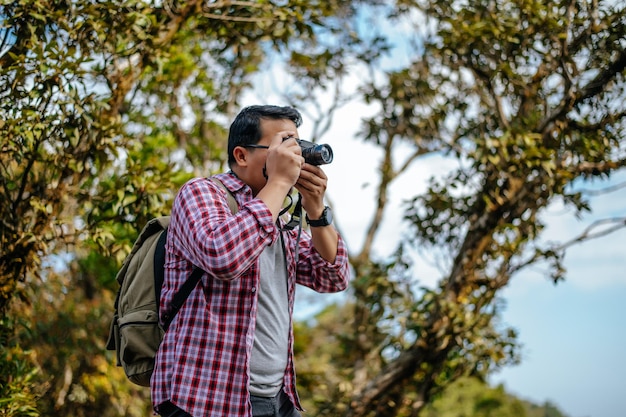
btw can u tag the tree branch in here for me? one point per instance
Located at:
(606, 190)
(615, 224)
(594, 87)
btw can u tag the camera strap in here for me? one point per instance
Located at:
(296, 216)
(295, 221)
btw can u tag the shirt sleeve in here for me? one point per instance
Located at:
(203, 231)
(316, 273)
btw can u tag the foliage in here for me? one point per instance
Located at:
(66, 330)
(469, 397)
(16, 378)
(324, 358)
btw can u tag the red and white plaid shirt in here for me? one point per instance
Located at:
(203, 364)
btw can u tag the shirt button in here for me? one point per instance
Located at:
(253, 290)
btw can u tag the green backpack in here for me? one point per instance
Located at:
(135, 332)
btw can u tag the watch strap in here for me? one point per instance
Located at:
(325, 220)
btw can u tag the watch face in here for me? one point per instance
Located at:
(327, 215)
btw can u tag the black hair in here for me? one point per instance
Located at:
(246, 128)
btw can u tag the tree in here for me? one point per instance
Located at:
(529, 97)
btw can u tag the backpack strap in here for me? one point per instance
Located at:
(183, 293)
(232, 203)
(159, 270)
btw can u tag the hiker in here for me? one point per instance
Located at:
(229, 350)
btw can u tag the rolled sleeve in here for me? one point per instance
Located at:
(322, 276)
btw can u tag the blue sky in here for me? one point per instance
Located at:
(574, 342)
(574, 333)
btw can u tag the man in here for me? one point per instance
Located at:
(229, 351)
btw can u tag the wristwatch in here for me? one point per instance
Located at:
(325, 220)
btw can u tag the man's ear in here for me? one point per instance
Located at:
(240, 154)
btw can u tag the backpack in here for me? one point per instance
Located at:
(135, 332)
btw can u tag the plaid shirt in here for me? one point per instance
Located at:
(203, 364)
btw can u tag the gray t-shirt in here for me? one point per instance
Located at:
(271, 338)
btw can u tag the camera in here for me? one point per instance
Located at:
(315, 154)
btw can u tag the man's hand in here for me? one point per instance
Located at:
(312, 186)
(284, 159)
(282, 168)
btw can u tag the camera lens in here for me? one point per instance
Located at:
(315, 154)
(318, 155)
(325, 154)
